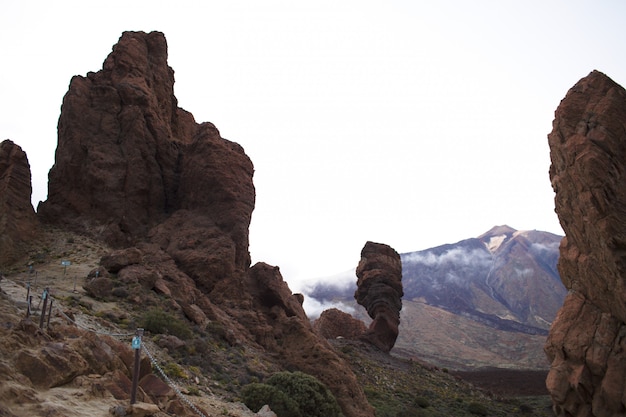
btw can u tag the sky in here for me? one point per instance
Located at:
(410, 123)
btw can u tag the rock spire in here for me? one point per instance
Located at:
(586, 346)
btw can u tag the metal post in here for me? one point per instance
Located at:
(136, 345)
(27, 290)
(30, 303)
(49, 312)
(44, 296)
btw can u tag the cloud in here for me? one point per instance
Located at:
(542, 249)
(457, 256)
(314, 307)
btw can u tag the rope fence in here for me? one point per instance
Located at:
(136, 343)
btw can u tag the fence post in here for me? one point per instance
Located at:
(136, 345)
(30, 303)
(44, 296)
(49, 313)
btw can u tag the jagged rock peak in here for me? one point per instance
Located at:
(585, 344)
(128, 157)
(379, 290)
(18, 222)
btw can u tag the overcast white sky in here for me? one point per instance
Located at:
(410, 123)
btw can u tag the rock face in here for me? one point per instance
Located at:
(128, 157)
(379, 290)
(176, 200)
(334, 323)
(586, 344)
(18, 222)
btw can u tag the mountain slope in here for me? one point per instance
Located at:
(498, 292)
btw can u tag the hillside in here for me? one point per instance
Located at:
(481, 302)
(392, 384)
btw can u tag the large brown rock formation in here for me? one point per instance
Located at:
(137, 171)
(334, 323)
(128, 157)
(379, 290)
(18, 222)
(586, 344)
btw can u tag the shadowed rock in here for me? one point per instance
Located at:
(137, 171)
(586, 346)
(379, 290)
(334, 323)
(18, 222)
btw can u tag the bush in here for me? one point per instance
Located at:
(310, 397)
(158, 321)
(477, 409)
(256, 395)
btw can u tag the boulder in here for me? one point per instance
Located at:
(334, 323)
(18, 221)
(379, 290)
(585, 345)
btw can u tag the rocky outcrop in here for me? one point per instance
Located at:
(18, 222)
(586, 346)
(284, 328)
(334, 323)
(128, 157)
(379, 290)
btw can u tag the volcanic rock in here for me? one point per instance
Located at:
(279, 323)
(334, 323)
(586, 346)
(128, 157)
(136, 171)
(18, 222)
(379, 290)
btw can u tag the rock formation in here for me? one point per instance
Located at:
(128, 157)
(18, 222)
(137, 171)
(586, 344)
(334, 323)
(379, 290)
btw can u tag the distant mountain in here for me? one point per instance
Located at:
(499, 291)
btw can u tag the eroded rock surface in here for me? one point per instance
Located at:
(334, 323)
(379, 290)
(137, 171)
(18, 222)
(586, 344)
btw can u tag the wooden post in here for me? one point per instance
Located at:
(43, 310)
(136, 345)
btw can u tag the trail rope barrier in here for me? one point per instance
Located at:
(172, 384)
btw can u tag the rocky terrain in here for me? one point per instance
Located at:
(88, 373)
(146, 227)
(486, 301)
(586, 345)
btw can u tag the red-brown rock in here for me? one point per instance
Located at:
(128, 157)
(279, 323)
(18, 222)
(334, 323)
(379, 290)
(588, 152)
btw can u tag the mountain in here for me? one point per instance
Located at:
(483, 301)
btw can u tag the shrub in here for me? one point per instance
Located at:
(310, 397)
(158, 321)
(477, 409)
(256, 395)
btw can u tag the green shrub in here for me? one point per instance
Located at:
(422, 402)
(477, 409)
(158, 321)
(310, 397)
(256, 395)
